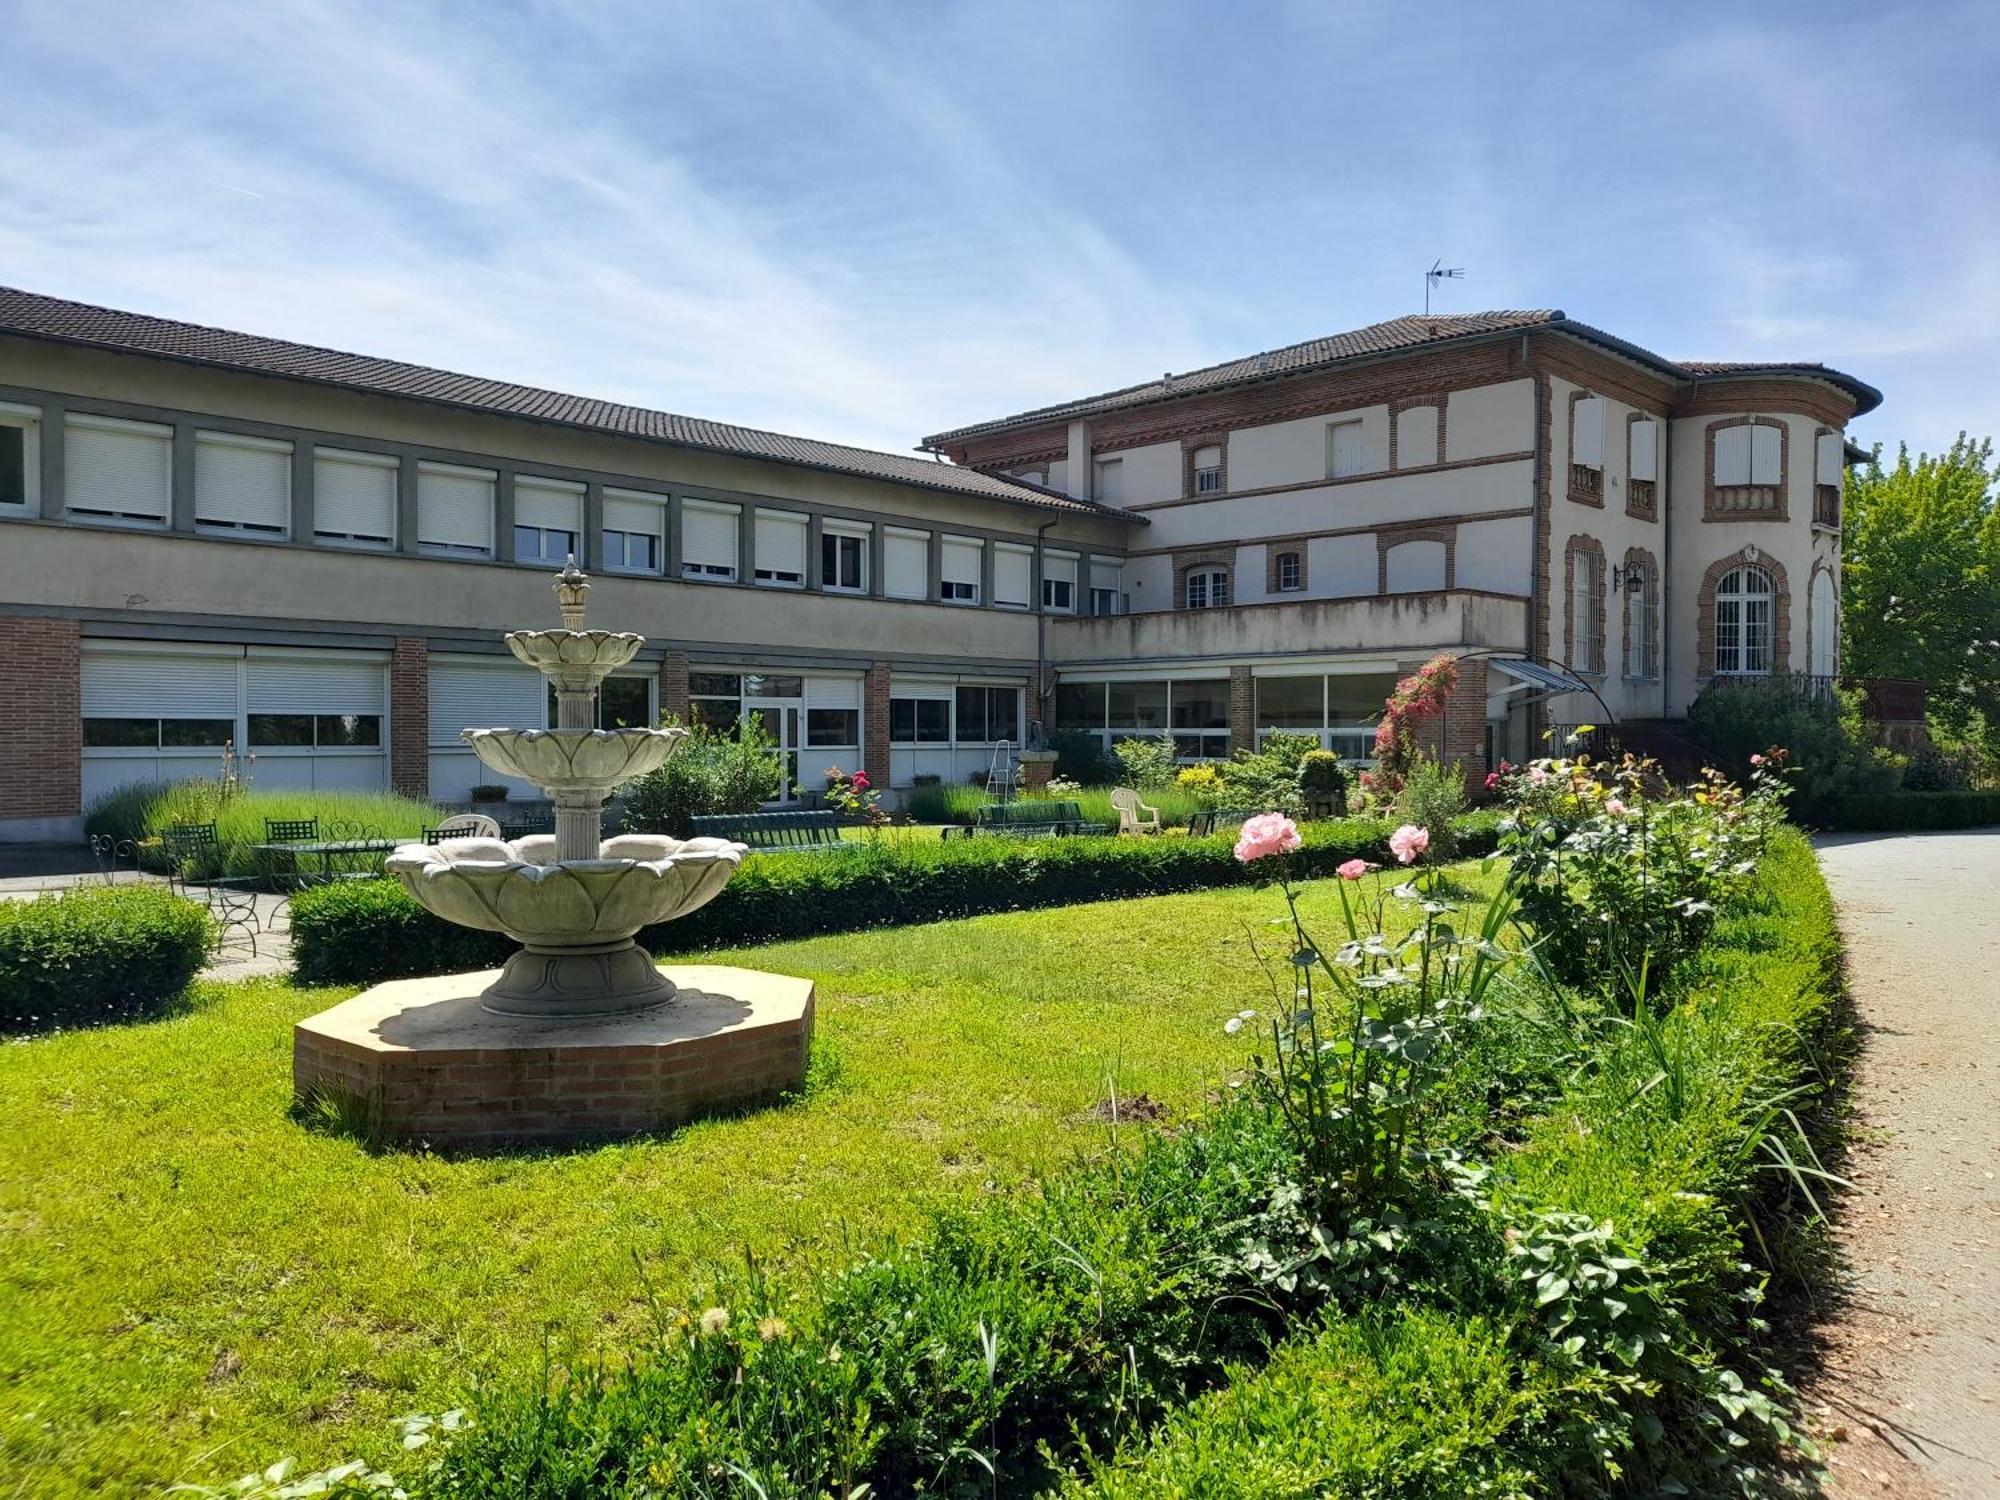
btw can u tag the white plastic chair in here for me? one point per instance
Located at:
(464, 826)
(1133, 815)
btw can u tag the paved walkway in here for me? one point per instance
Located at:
(1911, 1392)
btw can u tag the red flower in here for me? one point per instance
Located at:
(860, 781)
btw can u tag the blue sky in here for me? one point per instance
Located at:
(868, 221)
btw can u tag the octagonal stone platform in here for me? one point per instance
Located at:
(431, 1066)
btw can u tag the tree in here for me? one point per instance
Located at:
(1920, 590)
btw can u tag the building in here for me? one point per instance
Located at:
(208, 537)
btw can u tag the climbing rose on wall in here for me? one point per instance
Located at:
(1418, 697)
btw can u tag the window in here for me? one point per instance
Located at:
(1830, 468)
(1586, 599)
(20, 459)
(715, 699)
(548, 521)
(354, 498)
(906, 564)
(157, 734)
(843, 560)
(242, 485)
(1059, 582)
(1641, 604)
(708, 540)
(1013, 573)
(622, 703)
(1107, 587)
(986, 714)
(1208, 470)
(1110, 475)
(118, 471)
(1206, 588)
(1291, 572)
(1823, 623)
(919, 721)
(781, 549)
(959, 576)
(315, 731)
(839, 727)
(1137, 705)
(1743, 622)
(1642, 465)
(1749, 465)
(1344, 455)
(455, 510)
(1080, 705)
(635, 532)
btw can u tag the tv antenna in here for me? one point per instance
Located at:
(1439, 271)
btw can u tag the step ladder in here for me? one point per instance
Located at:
(1002, 774)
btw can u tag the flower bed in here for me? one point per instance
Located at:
(364, 931)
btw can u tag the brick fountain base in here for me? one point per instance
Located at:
(430, 1066)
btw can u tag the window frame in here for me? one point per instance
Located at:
(26, 420)
(1214, 580)
(1740, 598)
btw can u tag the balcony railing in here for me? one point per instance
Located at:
(1586, 481)
(1641, 495)
(1826, 505)
(1749, 499)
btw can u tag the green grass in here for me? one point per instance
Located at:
(144, 809)
(192, 1285)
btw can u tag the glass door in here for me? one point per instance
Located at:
(779, 703)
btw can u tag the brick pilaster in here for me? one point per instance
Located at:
(875, 724)
(1242, 710)
(674, 687)
(41, 730)
(1464, 736)
(410, 718)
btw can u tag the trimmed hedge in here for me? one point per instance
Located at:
(97, 954)
(362, 931)
(1889, 811)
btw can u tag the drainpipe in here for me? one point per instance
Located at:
(1667, 571)
(1042, 622)
(1535, 539)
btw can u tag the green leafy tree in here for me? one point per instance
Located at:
(1921, 582)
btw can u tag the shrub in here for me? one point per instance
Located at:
(1201, 782)
(98, 953)
(1323, 779)
(1267, 780)
(1932, 768)
(1146, 764)
(1889, 811)
(1832, 754)
(1080, 758)
(1432, 795)
(361, 931)
(711, 772)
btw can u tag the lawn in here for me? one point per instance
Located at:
(192, 1285)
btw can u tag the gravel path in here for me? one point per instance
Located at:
(1910, 1393)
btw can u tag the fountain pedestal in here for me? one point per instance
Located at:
(428, 1064)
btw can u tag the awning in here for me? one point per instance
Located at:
(1534, 674)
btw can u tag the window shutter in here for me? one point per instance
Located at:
(144, 685)
(1107, 575)
(551, 503)
(243, 482)
(833, 692)
(1764, 450)
(630, 512)
(1061, 565)
(354, 495)
(123, 469)
(278, 683)
(961, 561)
(781, 543)
(1732, 455)
(1832, 458)
(1645, 450)
(455, 508)
(1208, 458)
(1013, 574)
(906, 564)
(1586, 442)
(1343, 449)
(480, 695)
(708, 535)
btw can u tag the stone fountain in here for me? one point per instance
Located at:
(580, 1033)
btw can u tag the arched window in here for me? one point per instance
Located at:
(1743, 605)
(1207, 588)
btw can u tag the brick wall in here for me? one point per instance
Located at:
(1465, 716)
(674, 686)
(41, 726)
(410, 718)
(1242, 710)
(875, 724)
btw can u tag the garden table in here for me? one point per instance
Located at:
(327, 850)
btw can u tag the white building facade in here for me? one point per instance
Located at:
(212, 539)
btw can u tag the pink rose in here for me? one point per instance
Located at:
(1409, 842)
(1616, 808)
(860, 781)
(1492, 780)
(1756, 760)
(1354, 869)
(1266, 834)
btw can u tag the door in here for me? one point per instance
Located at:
(781, 719)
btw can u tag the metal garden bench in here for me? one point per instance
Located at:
(773, 831)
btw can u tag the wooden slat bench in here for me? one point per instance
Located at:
(1029, 818)
(776, 831)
